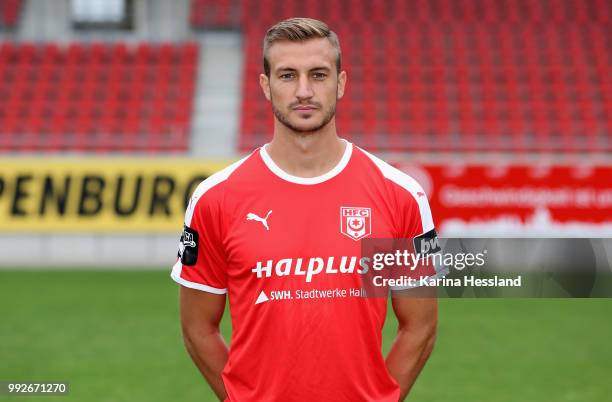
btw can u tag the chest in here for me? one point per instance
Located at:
(306, 222)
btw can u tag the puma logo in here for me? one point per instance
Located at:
(264, 221)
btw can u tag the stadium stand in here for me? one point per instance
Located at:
(96, 97)
(215, 14)
(454, 75)
(469, 75)
(9, 13)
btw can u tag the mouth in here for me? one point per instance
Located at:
(305, 108)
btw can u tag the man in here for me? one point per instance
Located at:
(280, 231)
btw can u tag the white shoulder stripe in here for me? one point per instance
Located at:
(209, 183)
(409, 184)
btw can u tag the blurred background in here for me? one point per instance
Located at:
(112, 111)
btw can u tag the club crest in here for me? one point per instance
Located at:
(355, 222)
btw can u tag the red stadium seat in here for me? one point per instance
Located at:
(451, 75)
(89, 97)
(9, 13)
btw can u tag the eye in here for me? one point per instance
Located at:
(286, 76)
(319, 76)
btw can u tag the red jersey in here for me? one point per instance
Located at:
(286, 249)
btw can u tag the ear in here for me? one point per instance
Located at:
(264, 83)
(341, 84)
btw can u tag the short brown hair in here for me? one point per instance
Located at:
(297, 30)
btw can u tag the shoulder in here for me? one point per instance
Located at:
(210, 190)
(402, 181)
(217, 179)
(404, 189)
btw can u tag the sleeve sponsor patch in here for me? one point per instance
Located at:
(188, 246)
(427, 243)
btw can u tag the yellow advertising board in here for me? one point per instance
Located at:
(98, 194)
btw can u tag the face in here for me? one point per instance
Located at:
(303, 86)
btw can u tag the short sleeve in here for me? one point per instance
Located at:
(417, 227)
(201, 262)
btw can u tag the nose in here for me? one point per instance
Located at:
(304, 89)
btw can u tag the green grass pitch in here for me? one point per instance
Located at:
(114, 336)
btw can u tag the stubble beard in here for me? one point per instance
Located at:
(284, 119)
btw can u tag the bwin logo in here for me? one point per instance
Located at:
(427, 243)
(430, 245)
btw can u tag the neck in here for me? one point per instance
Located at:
(306, 154)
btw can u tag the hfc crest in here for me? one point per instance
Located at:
(355, 223)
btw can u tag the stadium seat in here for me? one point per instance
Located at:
(96, 97)
(9, 13)
(468, 76)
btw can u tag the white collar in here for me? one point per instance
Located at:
(348, 150)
